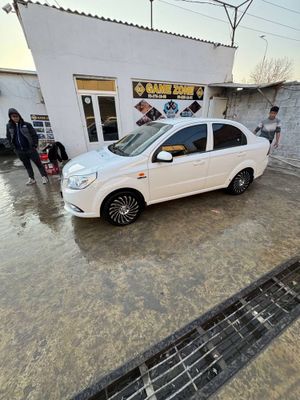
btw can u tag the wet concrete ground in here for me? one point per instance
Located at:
(79, 297)
(274, 375)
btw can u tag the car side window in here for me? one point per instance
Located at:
(187, 141)
(226, 135)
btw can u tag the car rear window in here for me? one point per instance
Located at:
(226, 135)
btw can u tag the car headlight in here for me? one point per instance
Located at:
(79, 182)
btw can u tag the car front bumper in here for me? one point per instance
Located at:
(81, 203)
(82, 214)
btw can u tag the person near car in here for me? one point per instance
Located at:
(24, 141)
(270, 127)
(56, 153)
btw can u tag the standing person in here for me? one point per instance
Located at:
(24, 141)
(270, 127)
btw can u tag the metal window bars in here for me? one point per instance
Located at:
(215, 347)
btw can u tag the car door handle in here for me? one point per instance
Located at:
(241, 154)
(199, 162)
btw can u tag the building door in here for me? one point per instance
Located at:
(99, 109)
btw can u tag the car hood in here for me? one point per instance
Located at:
(94, 161)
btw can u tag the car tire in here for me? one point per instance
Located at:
(240, 182)
(122, 208)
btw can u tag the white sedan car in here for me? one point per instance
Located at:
(162, 161)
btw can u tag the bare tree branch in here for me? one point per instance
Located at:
(272, 70)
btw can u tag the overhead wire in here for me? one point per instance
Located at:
(193, 11)
(223, 21)
(284, 8)
(201, 2)
(272, 22)
(248, 14)
(269, 33)
(219, 5)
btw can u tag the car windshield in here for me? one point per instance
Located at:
(139, 140)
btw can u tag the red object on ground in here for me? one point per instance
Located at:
(44, 157)
(50, 167)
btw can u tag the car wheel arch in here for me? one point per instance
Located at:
(241, 181)
(251, 171)
(248, 166)
(124, 189)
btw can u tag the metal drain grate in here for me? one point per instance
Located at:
(198, 359)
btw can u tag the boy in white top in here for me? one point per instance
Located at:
(270, 126)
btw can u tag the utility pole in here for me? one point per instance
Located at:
(151, 7)
(235, 21)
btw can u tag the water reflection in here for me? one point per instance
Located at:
(9, 163)
(41, 201)
(163, 231)
(46, 205)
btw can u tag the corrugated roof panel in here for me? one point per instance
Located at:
(75, 12)
(235, 85)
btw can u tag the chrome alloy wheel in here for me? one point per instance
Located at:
(124, 209)
(241, 181)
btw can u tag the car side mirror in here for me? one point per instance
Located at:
(164, 156)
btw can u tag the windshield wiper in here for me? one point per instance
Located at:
(116, 150)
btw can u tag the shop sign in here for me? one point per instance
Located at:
(39, 117)
(161, 90)
(42, 127)
(153, 101)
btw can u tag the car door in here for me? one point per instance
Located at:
(186, 174)
(229, 150)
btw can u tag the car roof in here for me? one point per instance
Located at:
(176, 121)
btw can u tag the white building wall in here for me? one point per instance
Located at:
(65, 44)
(20, 91)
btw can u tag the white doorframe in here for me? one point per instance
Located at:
(94, 96)
(115, 96)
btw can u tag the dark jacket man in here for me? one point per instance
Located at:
(24, 140)
(21, 136)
